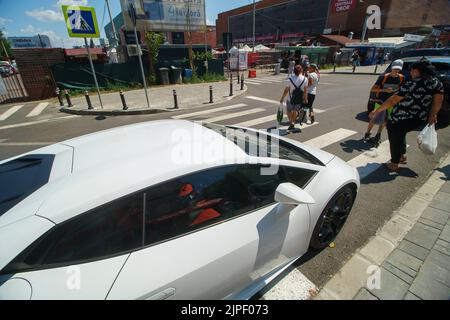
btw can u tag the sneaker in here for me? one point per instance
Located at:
(313, 119)
(291, 127)
(366, 137)
(376, 140)
(308, 122)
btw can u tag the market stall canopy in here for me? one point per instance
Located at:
(261, 47)
(247, 48)
(233, 50)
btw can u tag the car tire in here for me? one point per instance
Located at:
(333, 218)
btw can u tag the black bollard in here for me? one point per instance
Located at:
(175, 99)
(211, 100)
(242, 82)
(376, 69)
(231, 87)
(334, 68)
(124, 103)
(88, 100)
(69, 102)
(238, 78)
(58, 94)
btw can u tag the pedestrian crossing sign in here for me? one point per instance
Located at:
(81, 22)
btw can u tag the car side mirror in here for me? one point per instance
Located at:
(289, 193)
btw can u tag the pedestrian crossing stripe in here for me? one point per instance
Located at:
(38, 109)
(8, 113)
(199, 113)
(234, 115)
(317, 111)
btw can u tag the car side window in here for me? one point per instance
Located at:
(105, 231)
(298, 176)
(195, 201)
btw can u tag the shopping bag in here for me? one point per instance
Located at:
(280, 114)
(427, 140)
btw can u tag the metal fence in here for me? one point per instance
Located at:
(12, 89)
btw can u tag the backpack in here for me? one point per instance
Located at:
(297, 95)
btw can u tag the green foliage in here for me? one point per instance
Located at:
(207, 77)
(202, 56)
(154, 41)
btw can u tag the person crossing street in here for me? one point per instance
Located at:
(297, 91)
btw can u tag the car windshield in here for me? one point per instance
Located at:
(258, 144)
(21, 177)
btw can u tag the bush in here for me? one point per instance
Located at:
(207, 77)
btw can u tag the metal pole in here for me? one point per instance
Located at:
(254, 25)
(142, 66)
(175, 99)
(122, 98)
(112, 23)
(211, 100)
(69, 102)
(363, 37)
(93, 71)
(58, 93)
(4, 49)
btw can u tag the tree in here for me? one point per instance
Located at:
(4, 45)
(154, 41)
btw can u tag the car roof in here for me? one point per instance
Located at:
(433, 59)
(104, 166)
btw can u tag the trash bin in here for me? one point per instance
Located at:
(188, 73)
(176, 75)
(164, 76)
(277, 69)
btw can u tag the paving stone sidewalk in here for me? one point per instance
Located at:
(189, 96)
(409, 258)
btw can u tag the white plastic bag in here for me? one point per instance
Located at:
(427, 140)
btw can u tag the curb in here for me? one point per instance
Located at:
(354, 274)
(146, 111)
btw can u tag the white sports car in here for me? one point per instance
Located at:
(165, 210)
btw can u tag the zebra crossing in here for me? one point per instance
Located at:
(27, 111)
(278, 79)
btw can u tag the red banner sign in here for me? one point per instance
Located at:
(343, 5)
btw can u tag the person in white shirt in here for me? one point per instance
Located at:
(297, 92)
(313, 81)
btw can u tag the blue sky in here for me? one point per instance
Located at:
(29, 17)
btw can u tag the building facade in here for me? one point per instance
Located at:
(279, 21)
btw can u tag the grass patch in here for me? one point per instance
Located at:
(207, 77)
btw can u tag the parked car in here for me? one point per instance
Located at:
(442, 65)
(165, 210)
(6, 69)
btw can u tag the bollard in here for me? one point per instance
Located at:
(88, 100)
(242, 82)
(376, 69)
(61, 101)
(124, 103)
(69, 103)
(354, 68)
(211, 100)
(238, 78)
(175, 99)
(334, 68)
(231, 87)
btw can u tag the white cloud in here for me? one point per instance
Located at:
(45, 15)
(4, 21)
(81, 3)
(29, 29)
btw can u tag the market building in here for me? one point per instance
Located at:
(284, 21)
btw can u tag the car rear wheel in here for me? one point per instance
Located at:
(333, 218)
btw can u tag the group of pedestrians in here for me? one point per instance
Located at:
(301, 91)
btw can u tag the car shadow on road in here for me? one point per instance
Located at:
(351, 146)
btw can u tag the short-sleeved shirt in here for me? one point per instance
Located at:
(418, 99)
(299, 81)
(391, 82)
(312, 88)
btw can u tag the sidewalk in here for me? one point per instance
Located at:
(409, 258)
(365, 70)
(161, 99)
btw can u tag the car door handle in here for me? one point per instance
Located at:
(163, 295)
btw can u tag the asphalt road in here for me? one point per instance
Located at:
(341, 102)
